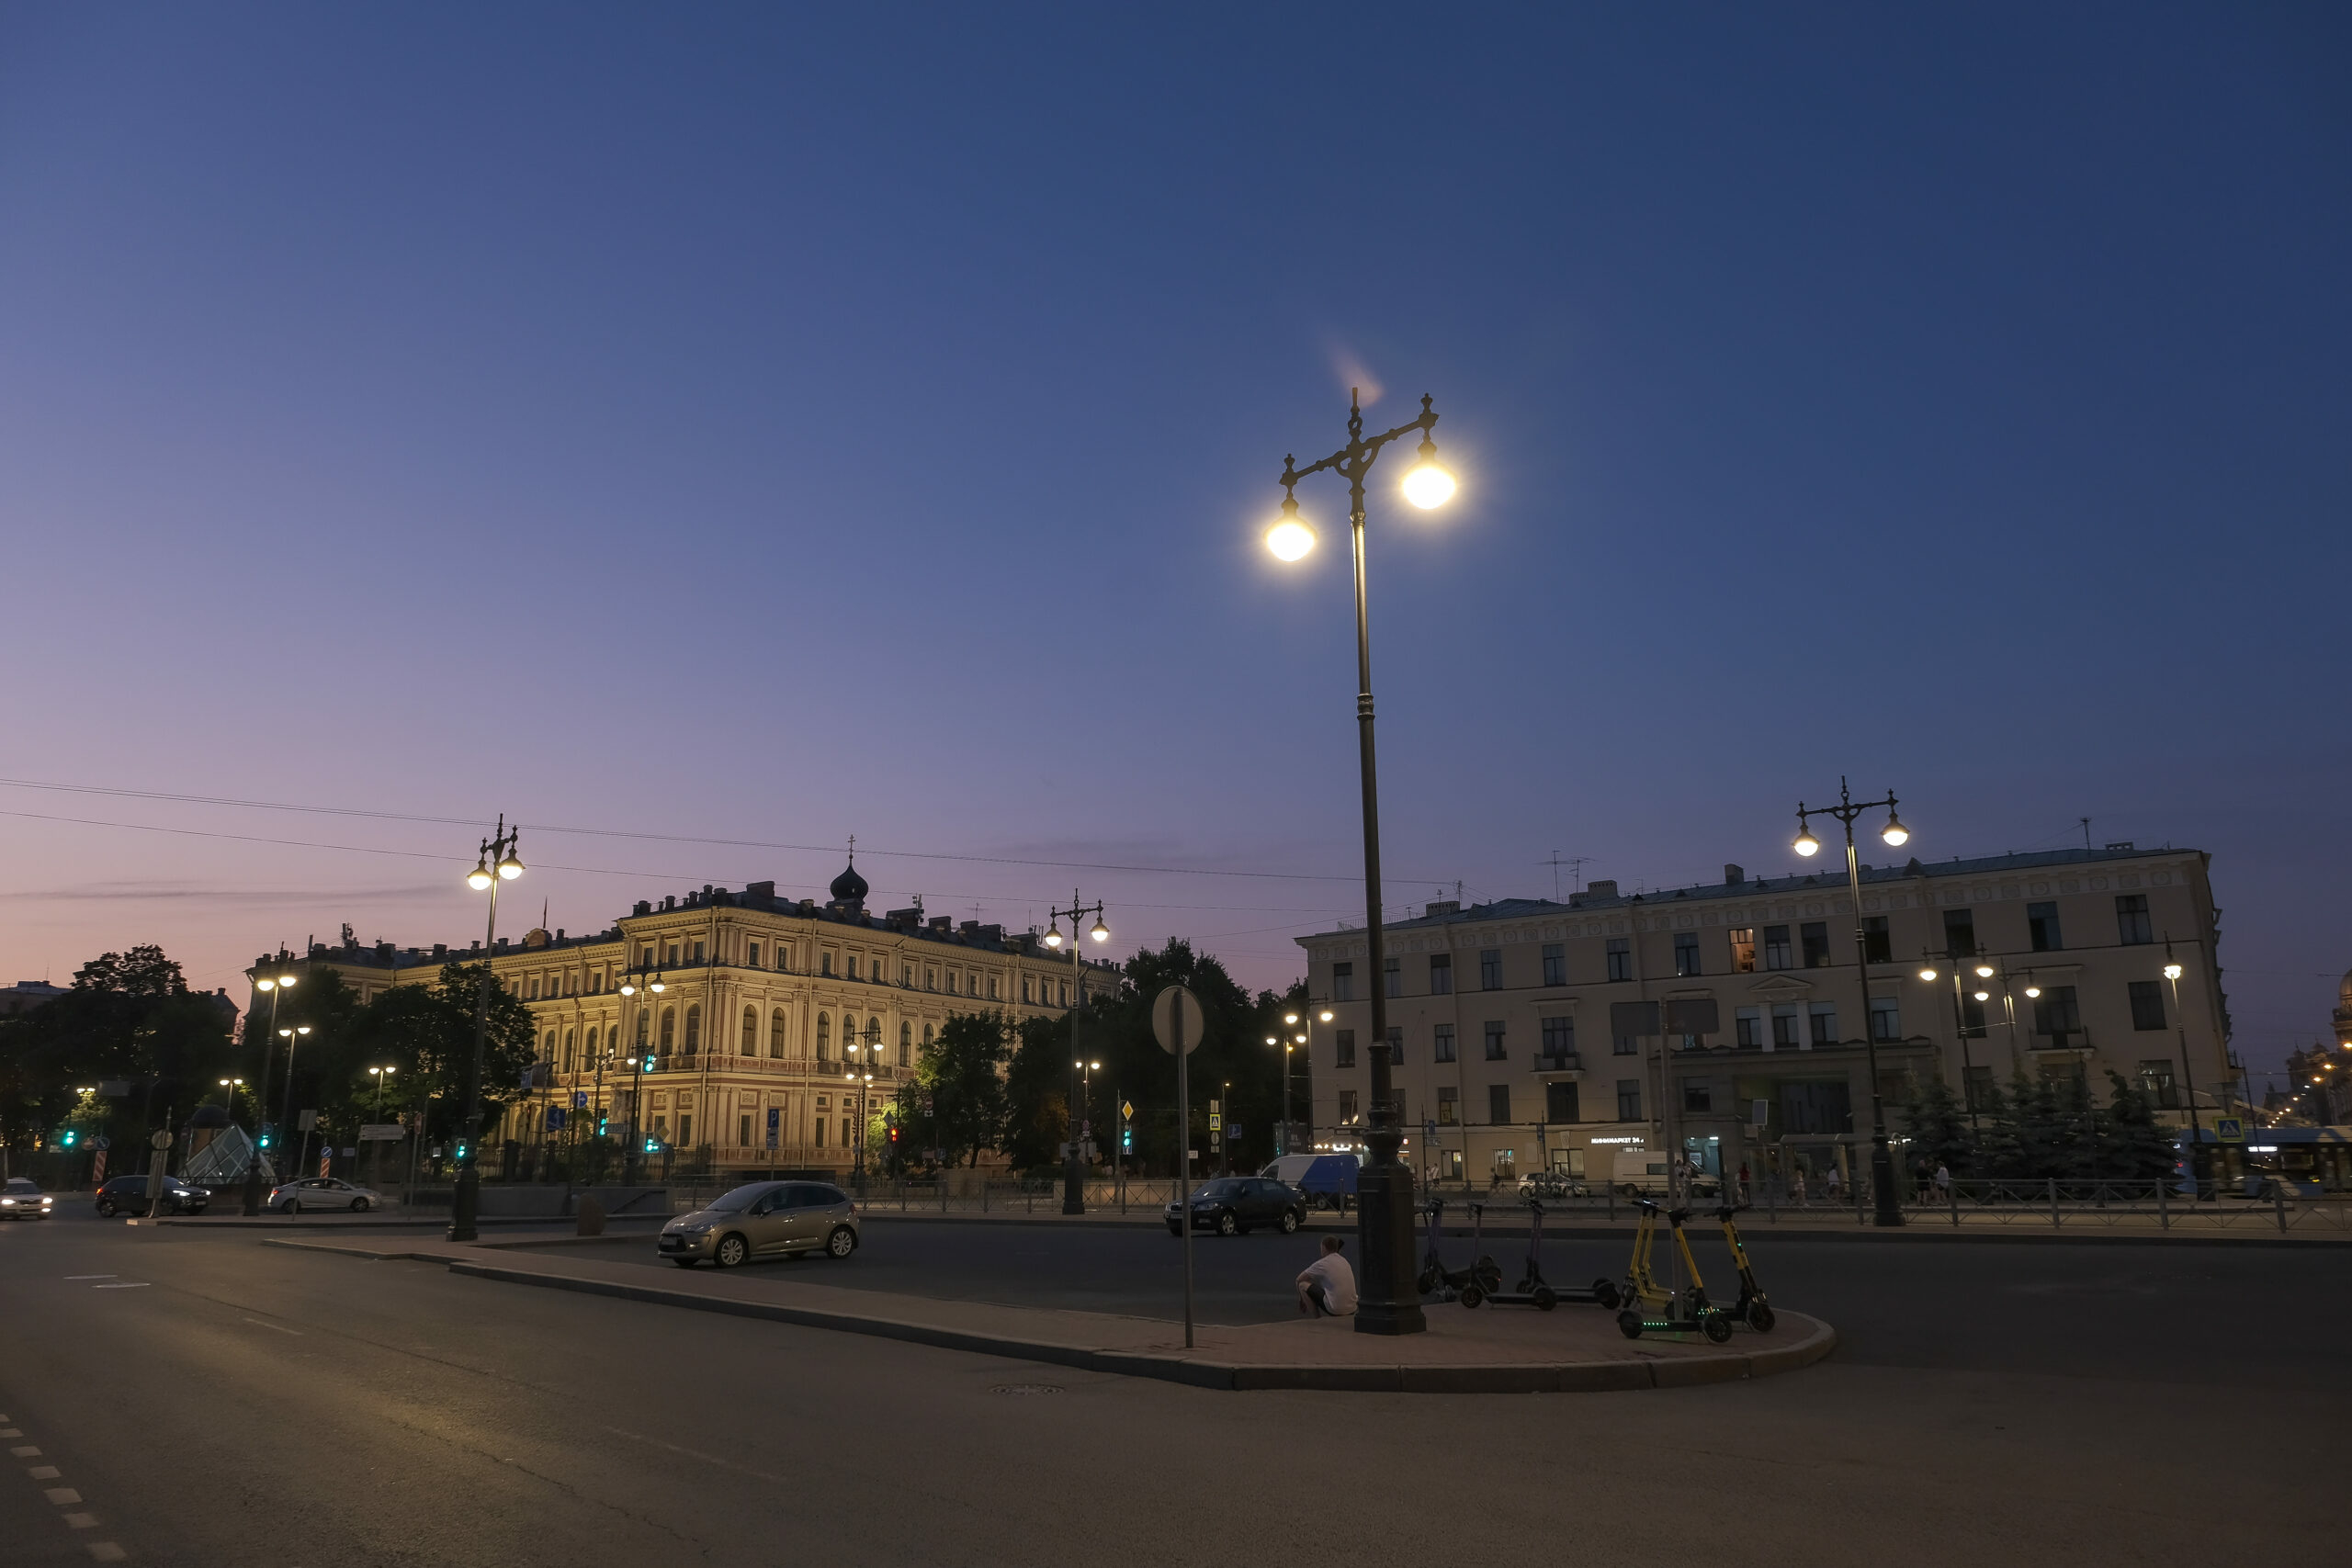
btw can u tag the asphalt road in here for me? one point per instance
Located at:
(208, 1400)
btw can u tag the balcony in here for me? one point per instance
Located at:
(1559, 1067)
(2073, 1041)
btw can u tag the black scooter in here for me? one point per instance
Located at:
(1533, 1289)
(1445, 1283)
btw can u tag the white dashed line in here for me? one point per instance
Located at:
(43, 1473)
(9, 1432)
(91, 1276)
(62, 1495)
(139, 1285)
(81, 1521)
(279, 1326)
(29, 1452)
(107, 1551)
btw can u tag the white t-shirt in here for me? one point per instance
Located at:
(1339, 1282)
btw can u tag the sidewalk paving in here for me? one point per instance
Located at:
(1497, 1349)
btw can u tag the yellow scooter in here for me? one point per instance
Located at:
(1651, 1307)
(1751, 1308)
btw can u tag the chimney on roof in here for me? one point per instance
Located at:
(1732, 875)
(1442, 906)
(1604, 889)
(559, 934)
(440, 950)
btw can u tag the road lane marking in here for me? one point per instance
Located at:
(26, 1452)
(42, 1473)
(9, 1432)
(127, 1285)
(279, 1326)
(93, 1276)
(107, 1551)
(81, 1521)
(62, 1495)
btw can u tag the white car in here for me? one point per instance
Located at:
(320, 1193)
(20, 1200)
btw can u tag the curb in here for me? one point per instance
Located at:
(1573, 1377)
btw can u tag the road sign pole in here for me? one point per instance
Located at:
(1184, 1151)
(161, 1143)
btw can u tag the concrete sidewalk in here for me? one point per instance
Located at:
(1492, 1351)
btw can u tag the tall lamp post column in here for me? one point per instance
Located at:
(276, 984)
(1888, 1202)
(1388, 1300)
(2187, 1083)
(633, 1157)
(292, 1035)
(496, 864)
(1074, 1162)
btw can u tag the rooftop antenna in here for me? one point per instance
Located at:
(1578, 862)
(2086, 835)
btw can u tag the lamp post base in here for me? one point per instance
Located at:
(464, 1201)
(1887, 1207)
(1073, 1187)
(252, 1187)
(1389, 1301)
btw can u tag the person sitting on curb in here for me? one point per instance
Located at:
(1328, 1286)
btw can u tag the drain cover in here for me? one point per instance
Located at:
(1026, 1388)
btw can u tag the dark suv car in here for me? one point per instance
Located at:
(127, 1194)
(1233, 1204)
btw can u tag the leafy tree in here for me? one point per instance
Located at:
(961, 1105)
(1939, 1127)
(426, 1033)
(127, 1016)
(1036, 1094)
(2135, 1147)
(1999, 1154)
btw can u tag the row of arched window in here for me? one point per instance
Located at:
(570, 1059)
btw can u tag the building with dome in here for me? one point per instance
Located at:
(765, 1004)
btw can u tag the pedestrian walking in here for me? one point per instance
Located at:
(1797, 1191)
(1831, 1182)
(1943, 1182)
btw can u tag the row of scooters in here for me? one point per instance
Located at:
(1642, 1305)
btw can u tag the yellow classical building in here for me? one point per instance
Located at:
(812, 1012)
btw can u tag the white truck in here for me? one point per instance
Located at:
(1642, 1173)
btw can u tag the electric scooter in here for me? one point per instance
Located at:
(1751, 1308)
(1533, 1291)
(1437, 1280)
(1657, 1310)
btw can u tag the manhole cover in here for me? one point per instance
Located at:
(1024, 1388)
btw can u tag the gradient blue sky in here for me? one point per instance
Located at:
(782, 423)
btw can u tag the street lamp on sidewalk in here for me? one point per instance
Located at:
(1388, 1300)
(497, 863)
(1888, 1203)
(632, 1158)
(275, 986)
(2187, 1083)
(1073, 1163)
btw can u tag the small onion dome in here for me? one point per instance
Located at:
(849, 887)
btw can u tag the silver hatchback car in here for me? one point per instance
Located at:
(763, 1219)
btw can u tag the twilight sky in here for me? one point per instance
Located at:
(774, 423)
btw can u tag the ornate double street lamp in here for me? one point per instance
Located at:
(276, 984)
(863, 1077)
(1888, 1203)
(496, 864)
(1300, 1039)
(632, 1158)
(1074, 1162)
(1389, 1301)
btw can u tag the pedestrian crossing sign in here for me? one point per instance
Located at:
(2228, 1129)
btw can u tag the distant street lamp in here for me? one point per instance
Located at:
(1388, 1300)
(632, 1158)
(275, 986)
(497, 863)
(293, 1037)
(379, 1075)
(1073, 1163)
(1888, 1204)
(2187, 1082)
(228, 1088)
(864, 1080)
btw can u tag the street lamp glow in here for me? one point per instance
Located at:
(1894, 833)
(1984, 970)
(1927, 974)
(478, 878)
(1290, 1018)
(1427, 484)
(1325, 1015)
(1053, 935)
(1806, 843)
(1100, 932)
(1289, 539)
(1984, 996)
(2033, 991)
(511, 867)
(2172, 971)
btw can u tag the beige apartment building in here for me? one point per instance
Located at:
(1725, 1019)
(765, 1004)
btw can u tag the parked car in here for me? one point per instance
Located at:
(1232, 1205)
(127, 1194)
(1328, 1181)
(320, 1193)
(21, 1199)
(1550, 1184)
(763, 1219)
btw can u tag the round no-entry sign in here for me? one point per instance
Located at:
(1176, 1021)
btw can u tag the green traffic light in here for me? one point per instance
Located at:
(69, 1140)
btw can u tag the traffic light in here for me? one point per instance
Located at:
(1126, 1140)
(461, 1151)
(601, 1119)
(68, 1139)
(649, 1146)
(649, 1063)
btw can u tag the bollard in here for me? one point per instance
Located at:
(2053, 1202)
(2279, 1201)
